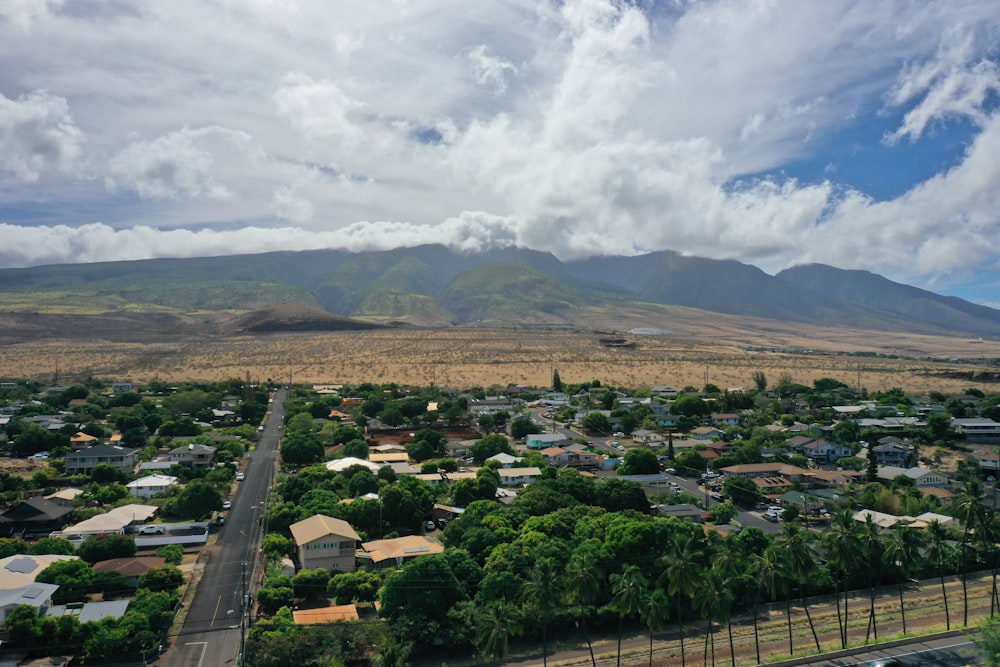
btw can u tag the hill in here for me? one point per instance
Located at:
(432, 285)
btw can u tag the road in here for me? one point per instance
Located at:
(217, 618)
(939, 652)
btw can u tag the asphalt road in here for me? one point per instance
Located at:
(938, 652)
(217, 618)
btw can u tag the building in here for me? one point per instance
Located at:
(130, 568)
(518, 476)
(38, 596)
(84, 461)
(543, 440)
(825, 451)
(977, 430)
(322, 541)
(504, 459)
(920, 476)
(396, 552)
(35, 515)
(647, 437)
(893, 451)
(151, 485)
(192, 455)
(20, 570)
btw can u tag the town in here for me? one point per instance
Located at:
(389, 525)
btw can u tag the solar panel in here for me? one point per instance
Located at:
(415, 550)
(22, 565)
(33, 592)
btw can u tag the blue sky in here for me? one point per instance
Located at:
(776, 132)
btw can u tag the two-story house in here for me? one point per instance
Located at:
(192, 455)
(322, 541)
(85, 460)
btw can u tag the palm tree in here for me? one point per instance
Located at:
(497, 625)
(773, 568)
(797, 544)
(902, 551)
(627, 591)
(763, 567)
(937, 555)
(581, 583)
(871, 548)
(843, 552)
(727, 566)
(391, 653)
(680, 576)
(654, 612)
(971, 511)
(541, 592)
(713, 600)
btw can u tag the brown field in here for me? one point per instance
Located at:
(724, 350)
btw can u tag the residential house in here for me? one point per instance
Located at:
(82, 440)
(151, 485)
(36, 595)
(707, 433)
(723, 419)
(989, 462)
(87, 612)
(920, 476)
(565, 457)
(681, 511)
(825, 451)
(648, 438)
(555, 398)
(388, 458)
(977, 430)
(664, 390)
(518, 476)
(794, 474)
(324, 615)
(504, 459)
(398, 551)
(340, 465)
(893, 451)
(64, 497)
(35, 515)
(131, 568)
(192, 455)
(543, 440)
(322, 541)
(85, 460)
(20, 570)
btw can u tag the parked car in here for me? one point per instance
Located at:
(152, 530)
(240, 477)
(430, 525)
(770, 516)
(670, 471)
(40, 456)
(227, 504)
(761, 506)
(618, 434)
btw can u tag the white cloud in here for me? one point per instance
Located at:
(578, 127)
(950, 84)
(26, 13)
(37, 133)
(490, 70)
(186, 163)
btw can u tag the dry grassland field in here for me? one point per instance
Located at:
(723, 350)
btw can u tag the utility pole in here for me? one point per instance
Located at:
(245, 616)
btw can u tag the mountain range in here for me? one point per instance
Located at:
(432, 285)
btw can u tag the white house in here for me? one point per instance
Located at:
(518, 476)
(920, 476)
(151, 485)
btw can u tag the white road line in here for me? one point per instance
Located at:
(204, 646)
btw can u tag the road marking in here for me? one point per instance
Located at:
(204, 646)
(215, 613)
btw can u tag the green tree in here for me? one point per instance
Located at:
(276, 546)
(597, 422)
(489, 446)
(391, 653)
(901, 556)
(742, 490)
(872, 465)
(690, 405)
(106, 547)
(627, 591)
(557, 384)
(581, 584)
(357, 586)
(797, 544)
(300, 448)
(759, 380)
(522, 427)
(847, 433)
(639, 461)
(172, 554)
(541, 593)
(73, 578)
(681, 576)
(722, 513)
(842, 543)
(497, 624)
(162, 578)
(654, 612)
(198, 499)
(986, 637)
(51, 545)
(357, 448)
(420, 450)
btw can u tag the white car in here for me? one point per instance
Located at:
(619, 434)
(240, 477)
(227, 504)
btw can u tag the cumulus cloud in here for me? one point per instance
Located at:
(186, 163)
(25, 13)
(490, 70)
(951, 85)
(37, 133)
(579, 127)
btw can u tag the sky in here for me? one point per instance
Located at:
(860, 134)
